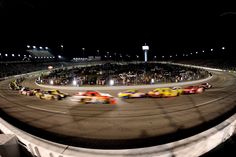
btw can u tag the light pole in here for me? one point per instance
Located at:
(62, 49)
(115, 56)
(108, 56)
(145, 49)
(121, 57)
(83, 49)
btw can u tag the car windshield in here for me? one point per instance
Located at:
(131, 91)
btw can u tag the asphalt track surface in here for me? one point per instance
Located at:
(130, 123)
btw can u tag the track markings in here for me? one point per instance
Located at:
(37, 108)
(208, 102)
(2, 95)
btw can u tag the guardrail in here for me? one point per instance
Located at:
(192, 146)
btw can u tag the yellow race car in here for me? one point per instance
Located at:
(178, 89)
(51, 95)
(132, 93)
(163, 92)
(57, 92)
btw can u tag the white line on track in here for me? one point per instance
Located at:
(208, 102)
(37, 108)
(2, 95)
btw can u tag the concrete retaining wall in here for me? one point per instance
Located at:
(190, 147)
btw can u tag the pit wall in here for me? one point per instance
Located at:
(190, 147)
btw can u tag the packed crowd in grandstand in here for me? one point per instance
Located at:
(15, 68)
(122, 74)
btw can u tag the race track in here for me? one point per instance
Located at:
(128, 124)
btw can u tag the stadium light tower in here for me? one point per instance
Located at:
(145, 49)
(83, 49)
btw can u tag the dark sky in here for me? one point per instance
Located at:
(116, 26)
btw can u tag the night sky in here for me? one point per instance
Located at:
(116, 26)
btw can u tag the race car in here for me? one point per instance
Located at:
(163, 92)
(36, 91)
(14, 85)
(47, 95)
(178, 89)
(26, 91)
(59, 93)
(205, 85)
(193, 90)
(93, 97)
(132, 93)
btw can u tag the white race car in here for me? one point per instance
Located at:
(93, 97)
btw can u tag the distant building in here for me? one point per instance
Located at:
(94, 58)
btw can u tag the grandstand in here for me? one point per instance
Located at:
(41, 53)
(13, 55)
(34, 54)
(14, 68)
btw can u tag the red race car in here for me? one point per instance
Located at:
(193, 90)
(26, 91)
